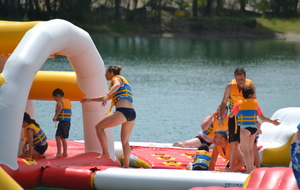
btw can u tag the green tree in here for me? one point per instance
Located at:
(287, 8)
(195, 8)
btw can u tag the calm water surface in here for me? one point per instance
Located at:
(178, 82)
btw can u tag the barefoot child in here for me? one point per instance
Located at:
(247, 111)
(62, 114)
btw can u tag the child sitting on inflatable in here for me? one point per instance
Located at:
(36, 143)
(201, 159)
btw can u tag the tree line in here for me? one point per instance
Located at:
(145, 11)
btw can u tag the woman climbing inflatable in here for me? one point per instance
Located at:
(121, 95)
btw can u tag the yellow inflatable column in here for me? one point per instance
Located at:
(8, 183)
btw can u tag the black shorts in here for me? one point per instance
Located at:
(203, 141)
(200, 167)
(129, 113)
(63, 129)
(252, 130)
(234, 130)
(41, 149)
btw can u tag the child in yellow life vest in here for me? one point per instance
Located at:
(247, 111)
(201, 159)
(62, 114)
(36, 143)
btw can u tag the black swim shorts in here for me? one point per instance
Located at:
(129, 113)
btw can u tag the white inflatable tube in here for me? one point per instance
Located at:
(275, 140)
(149, 179)
(43, 40)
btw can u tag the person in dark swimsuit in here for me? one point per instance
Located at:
(247, 111)
(121, 95)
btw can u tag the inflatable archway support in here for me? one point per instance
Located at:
(41, 41)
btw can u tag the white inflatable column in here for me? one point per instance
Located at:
(44, 39)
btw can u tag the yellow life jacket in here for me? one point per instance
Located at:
(39, 136)
(202, 157)
(247, 114)
(235, 93)
(66, 112)
(123, 92)
(215, 126)
(225, 154)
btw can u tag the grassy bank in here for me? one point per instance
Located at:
(281, 25)
(232, 28)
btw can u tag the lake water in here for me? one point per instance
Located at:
(178, 82)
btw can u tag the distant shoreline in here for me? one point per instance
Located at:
(291, 37)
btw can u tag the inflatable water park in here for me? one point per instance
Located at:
(25, 46)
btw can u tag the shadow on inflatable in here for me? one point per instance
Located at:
(26, 53)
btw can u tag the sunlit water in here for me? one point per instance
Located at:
(178, 82)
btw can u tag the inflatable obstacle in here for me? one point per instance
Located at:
(31, 45)
(275, 141)
(29, 174)
(276, 178)
(162, 157)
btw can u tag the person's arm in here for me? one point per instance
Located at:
(58, 110)
(24, 149)
(30, 142)
(208, 121)
(213, 160)
(266, 119)
(234, 111)
(224, 102)
(116, 84)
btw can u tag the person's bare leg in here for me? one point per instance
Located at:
(103, 141)
(189, 166)
(177, 144)
(58, 145)
(65, 147)
(232, 157)
(125, 136)
(191, 143)
(111, 120)
(251, 149)
(246, 149)
(256, 156)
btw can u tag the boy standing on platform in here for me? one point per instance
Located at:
(62, 114)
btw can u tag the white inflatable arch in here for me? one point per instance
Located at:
(43, 40)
